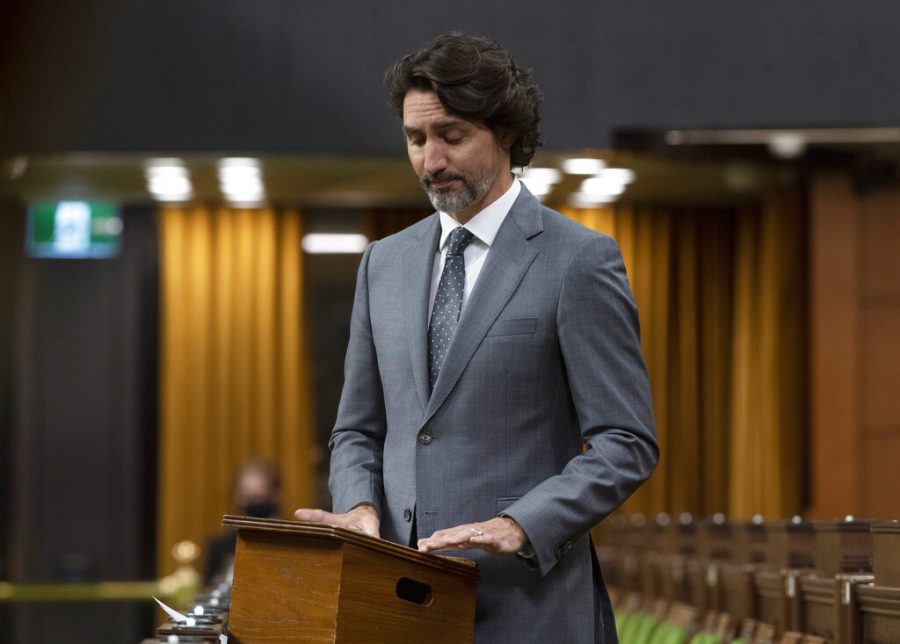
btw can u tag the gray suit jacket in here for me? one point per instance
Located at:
(541, 412)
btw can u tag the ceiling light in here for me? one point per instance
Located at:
(619, 175)
(542, 175)
(787, 145)
(320, 243)
(602, 187)
(583, 200)
(540, 181)
(240, 180)
(583, 166)
(537, 188)
(168, 180)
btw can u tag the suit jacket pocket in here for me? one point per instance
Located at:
(517, 326)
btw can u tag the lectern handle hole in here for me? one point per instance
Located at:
(414, 591)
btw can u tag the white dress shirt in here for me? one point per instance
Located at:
(484, 226)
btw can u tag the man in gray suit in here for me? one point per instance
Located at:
(495, 397)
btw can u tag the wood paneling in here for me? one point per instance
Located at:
(834, 329)
(881, 475)
(855, 349)
(881, 246)
(881, 364)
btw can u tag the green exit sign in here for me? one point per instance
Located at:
(74, 229)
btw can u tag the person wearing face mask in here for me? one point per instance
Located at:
(257, 494)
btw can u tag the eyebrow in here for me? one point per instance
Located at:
(441, 125)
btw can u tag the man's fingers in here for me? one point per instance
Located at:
(314, 515)
(458, 537)
(322, 516)
(364, 518)
(497, 536)
(358, 521)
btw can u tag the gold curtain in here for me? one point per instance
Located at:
(233, 377)
(722, 318)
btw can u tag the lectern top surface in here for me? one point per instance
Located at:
(456, 565)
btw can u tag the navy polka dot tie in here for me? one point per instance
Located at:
(447, 301)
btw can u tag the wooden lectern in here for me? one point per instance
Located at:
(305, 582)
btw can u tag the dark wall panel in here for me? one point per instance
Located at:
(83, 431)
(11, 248)
(283, 75)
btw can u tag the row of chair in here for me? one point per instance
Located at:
(710, 580)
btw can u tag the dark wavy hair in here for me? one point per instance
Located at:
(476, 79)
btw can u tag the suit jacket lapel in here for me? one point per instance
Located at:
(509, 258)
(419, 268)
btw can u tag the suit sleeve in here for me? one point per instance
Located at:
(357, 441)
(599, 338)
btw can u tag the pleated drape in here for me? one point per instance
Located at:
(767, 459)
(233, 372)
(720, 294)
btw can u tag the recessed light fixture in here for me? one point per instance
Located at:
(618, 175)
(584, 200)
(604, 187)
(322, 243)
(240, 180)
(544, 175)
(540, 181)
(168, 180)
(787, 145)
(583, 166)
(601, 186)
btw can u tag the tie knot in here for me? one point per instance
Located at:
(459, 239)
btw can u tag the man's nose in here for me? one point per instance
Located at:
(435, 158)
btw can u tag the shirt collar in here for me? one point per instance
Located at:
(485, 224)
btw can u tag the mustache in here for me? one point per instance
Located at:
(428, 179)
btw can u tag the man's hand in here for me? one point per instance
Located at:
(362, 518)
(500, 536)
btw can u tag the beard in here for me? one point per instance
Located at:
(472, 190)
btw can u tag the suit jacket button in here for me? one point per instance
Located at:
(563, 549)
(407, 515)
(424, 439)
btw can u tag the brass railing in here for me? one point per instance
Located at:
(179, 588)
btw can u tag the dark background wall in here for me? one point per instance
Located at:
(11, 236)
(304, 76)
(10, 239)
(79, 408)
